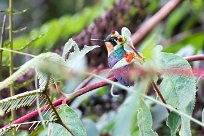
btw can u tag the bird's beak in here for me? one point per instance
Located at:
(98, 40)
(109, 46)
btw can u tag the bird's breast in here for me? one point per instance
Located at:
(115, 56)
(121, 74)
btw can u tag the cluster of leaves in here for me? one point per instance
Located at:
(138, 121)
(173, 88)
(46, 66)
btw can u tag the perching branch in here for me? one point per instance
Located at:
(88, 79)
(35, 113)
(195, 58)
(59, 101)
(89, 88)
(147, 26)
(159, 94)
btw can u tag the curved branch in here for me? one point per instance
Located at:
(89, 88)
(147, 26)
(59, 101)
(35, 113)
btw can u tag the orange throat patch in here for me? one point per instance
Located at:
(109, 47)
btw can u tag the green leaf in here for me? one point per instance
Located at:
(45, 63)
(106, 122)
(173, 122)
(23, 133)
(67, 47)
(71, 119)
(90, 127)
(20, 100)
(126, 118)
(179, 89)
(75, 57)
(144, 118)
(148, 45)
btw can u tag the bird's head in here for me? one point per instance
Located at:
(111, 41)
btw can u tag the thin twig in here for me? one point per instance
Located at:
(88, 79)
(18, 52)
(84, 83)
(152, 99)
(58, 119)
(2, 44)
(195, 58)
(147, 26)
(68, 129)
(152, 82)
(88, 88)
(159, 94)
(175, 110)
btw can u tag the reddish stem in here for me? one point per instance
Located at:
(35, 113)
(60, 101)
(88, 79)
(159, 94)
(195, 58)
(91, 87)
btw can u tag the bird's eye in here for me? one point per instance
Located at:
(113, 41)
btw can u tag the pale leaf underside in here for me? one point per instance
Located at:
(32, 126)
(20, 100)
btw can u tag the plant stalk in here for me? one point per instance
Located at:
(11, 56)
(59, 120)
(152, 82)
(159, 94)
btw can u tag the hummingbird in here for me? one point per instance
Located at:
(117, 49)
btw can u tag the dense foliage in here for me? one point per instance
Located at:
(55, 81)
